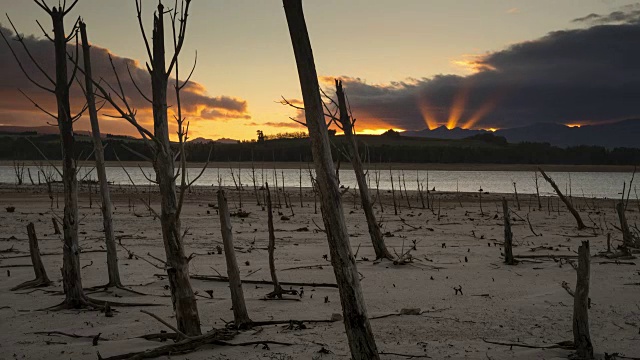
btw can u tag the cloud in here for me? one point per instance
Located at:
(581, 76)
(283, 124)
(197, 104)
(630, 14)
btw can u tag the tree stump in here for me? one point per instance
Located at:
(581, 336)
(508, 235)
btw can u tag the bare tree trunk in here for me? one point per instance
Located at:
(393, 193)
(182, 296)
(71, 277)
(277, 289)
(564, 200)
(508, 235)
(347, 126)
(420, 189)
(300, 178)
(581, 336)
(107, 221)
(515, 191)
(253, 178)
(241, 318)
(357, 326)
(627, 238)
(56, 228)
(41, 279)
(535, 173)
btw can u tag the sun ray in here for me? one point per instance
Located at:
(458, 106)
(483, 110)
(429, 118)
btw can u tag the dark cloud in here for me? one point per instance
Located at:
(629, 14)
(197, 104)
(575, 76)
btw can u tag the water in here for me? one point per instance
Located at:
(590, 184)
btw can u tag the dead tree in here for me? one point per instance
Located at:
(107, 208)
(357, 326)
(628, 240)
(182, 295)
(18, 169)
(277, 289)
(535, 177)
(347, 123)
(508, 235)
(71, 278)
(581, 336)
(376, 175)
(241, 318)
(515, 191)
(253, 178)
(421, 189)
(393, 193)
(41, 279)
(564, 200)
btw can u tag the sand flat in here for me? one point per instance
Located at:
(523, 303)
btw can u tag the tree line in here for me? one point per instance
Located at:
(299, 149)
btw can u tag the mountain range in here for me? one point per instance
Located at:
(624, 133)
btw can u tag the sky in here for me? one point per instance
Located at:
(406, 64)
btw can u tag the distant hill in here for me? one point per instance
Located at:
(620, 134)
(443, 133)
(201, 140)
(624, 133)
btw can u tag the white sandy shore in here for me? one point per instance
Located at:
(523, 303)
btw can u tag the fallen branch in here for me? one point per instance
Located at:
(567, 345)
(75, 336)
(182, 347)
(258, 282)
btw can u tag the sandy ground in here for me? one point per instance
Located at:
(523, 303)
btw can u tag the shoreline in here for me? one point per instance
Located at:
(385, 166)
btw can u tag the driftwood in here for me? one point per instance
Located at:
(219, 278)
(41, 280)
(567, 345)
(567, 203)
(181, 347)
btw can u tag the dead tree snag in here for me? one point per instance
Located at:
(564, 200)
(357, 326)
(241, 318)
(581, 336)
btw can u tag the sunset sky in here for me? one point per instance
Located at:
(407, 64)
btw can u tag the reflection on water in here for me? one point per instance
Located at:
(590, 184)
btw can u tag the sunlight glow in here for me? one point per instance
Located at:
(457, 108)
(377, 131)
(429, 119)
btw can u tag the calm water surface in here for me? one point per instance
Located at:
(591, 184)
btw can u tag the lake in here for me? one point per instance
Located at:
(590, 184)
